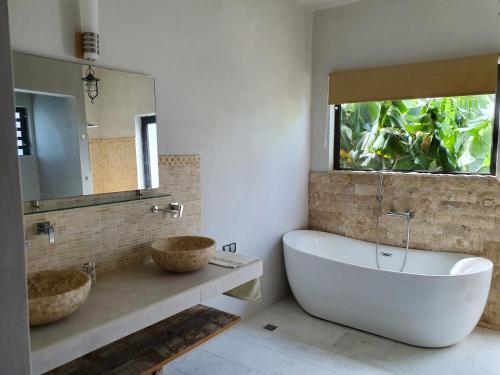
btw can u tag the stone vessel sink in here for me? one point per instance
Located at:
(183, 254)
(53, 295)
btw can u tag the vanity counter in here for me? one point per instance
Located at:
(127, 301)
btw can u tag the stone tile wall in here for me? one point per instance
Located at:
(453, 213)
(117, 235)
(113, 164)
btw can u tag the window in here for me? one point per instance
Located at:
(443, 135)
(150, 151)
(23, 145)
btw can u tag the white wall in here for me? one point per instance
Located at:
(59, 166)
(122, 97)
(375, 33)
(14, 336)
(232, 84)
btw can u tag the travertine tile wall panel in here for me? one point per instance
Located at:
(113, 162)
(117, 235)
(453, 213)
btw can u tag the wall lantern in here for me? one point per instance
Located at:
(90, 83)
(87, 41)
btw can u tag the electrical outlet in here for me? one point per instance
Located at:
(230, 248)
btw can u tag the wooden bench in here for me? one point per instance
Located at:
(146, 352)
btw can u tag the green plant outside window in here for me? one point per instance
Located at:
(449, 135)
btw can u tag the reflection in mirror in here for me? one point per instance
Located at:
(80, 134)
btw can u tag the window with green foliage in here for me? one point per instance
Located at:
(448, 135)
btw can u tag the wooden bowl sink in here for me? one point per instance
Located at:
(183, 254)
(53, 295)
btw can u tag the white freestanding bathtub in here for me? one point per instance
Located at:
(435, 302)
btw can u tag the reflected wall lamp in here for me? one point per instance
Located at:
(91, 84)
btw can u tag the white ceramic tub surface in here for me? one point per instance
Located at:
(435, 302)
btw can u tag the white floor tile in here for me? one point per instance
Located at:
(200, 362)
(172, 371)
(301, 325)
(261, 358)
(304, 349)
(305, 345)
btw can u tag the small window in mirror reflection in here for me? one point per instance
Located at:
(23, 144)
(150, 151)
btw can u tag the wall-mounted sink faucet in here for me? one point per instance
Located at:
(46, 228)
(175, 209)
(406, 215)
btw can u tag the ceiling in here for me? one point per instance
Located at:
(323, 4)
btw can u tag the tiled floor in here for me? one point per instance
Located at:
(303, 345)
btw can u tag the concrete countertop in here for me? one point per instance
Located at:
(127, 301)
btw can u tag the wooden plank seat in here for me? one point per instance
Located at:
(147, 351)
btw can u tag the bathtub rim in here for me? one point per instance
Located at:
(488, 263)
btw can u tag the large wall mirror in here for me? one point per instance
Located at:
(83, 130)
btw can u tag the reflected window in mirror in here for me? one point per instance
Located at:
(149, 151)
(23, 141)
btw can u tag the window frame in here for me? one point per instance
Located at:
(494, 144)
(145, 122)
(24, 129)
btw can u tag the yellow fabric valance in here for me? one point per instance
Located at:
(464, 76)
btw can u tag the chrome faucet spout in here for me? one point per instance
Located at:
(406, 215)
(48, 229)
(175, 209)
